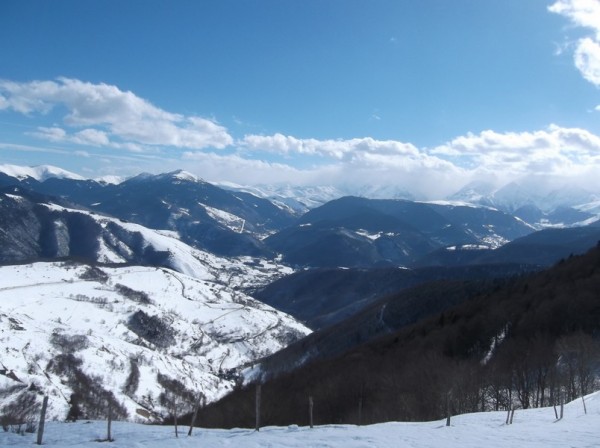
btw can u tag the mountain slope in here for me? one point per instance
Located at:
(516, 345)
(35, 226)
(39, 173)
(127, 334)
(359, 232)
(542, 248)
(204, 215)
(327, 296)
(540, 202)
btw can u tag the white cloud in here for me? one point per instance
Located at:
(569, 154)
(92, 137)
(233, 168)
(111, 115)
(53, 134)
(566, 153)
(28, 148)
(585, 14)
(87, 137)
(338, 149)
(553, 151)
(103, 116)
(587, 60)
(351, 175)
(359, 161)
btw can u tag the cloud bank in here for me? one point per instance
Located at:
(108, 116)
(568, 154)
(98, 121)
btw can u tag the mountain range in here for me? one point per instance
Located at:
(177, 266)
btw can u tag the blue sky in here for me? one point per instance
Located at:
(422, 95)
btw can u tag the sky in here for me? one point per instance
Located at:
(425, 96)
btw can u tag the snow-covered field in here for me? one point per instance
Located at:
(206, 330)
(530, 428)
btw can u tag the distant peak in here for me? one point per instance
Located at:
(39, 173)
(177, 175)
(184, 175)
(109, 180)
(140, 177)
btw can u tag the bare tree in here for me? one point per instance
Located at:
(171, 401)
(578, 354)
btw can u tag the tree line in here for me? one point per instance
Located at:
(531, 343)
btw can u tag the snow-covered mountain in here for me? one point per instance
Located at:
(97, 334)
(296, 199)
(156, 314)
(39, 173)
(36, 227)
(539, 202)
(360, 232)
(203, 215)
(301, 199)
(178, 200)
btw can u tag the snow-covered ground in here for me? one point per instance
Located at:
(530, 428)
(206, 329)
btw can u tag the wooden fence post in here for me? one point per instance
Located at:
(108, 428)
(310, 411)
(562, 405)
(360, 405)
(175, 419)
(448, 409)
(584, 407)
(40, 433)
(258, 392)
(199, 404)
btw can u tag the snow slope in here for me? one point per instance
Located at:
(237, 272)
(530, 428)
(198, 331)
(296, 199)
(39, 173)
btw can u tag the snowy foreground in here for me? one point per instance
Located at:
(48, 310)
(531, 428)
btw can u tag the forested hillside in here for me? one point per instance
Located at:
(527, 344)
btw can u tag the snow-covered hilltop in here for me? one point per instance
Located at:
(127, 333)
(39, 173)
